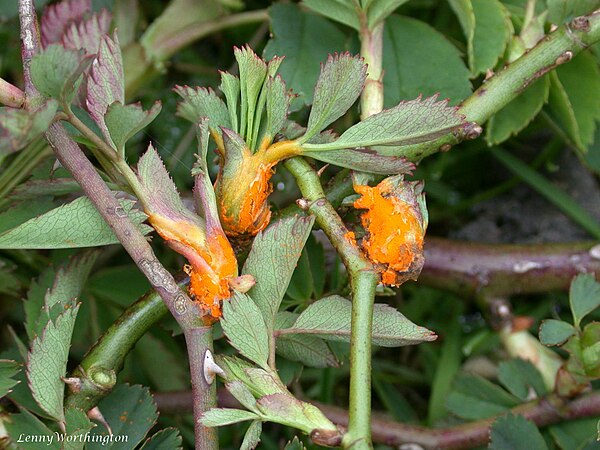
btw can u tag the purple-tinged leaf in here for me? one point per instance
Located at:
(19, 127)
(365, 160)
(124, 121)
(409, 122)
(202, 102)
(87, 34)
(340, 83)
(159, 190)
(59, 16)
(105, 82)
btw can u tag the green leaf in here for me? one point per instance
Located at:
(19, 127)
(278, 104)
(379, 10)
(584, 296)
(484, 398)
(23, 211)
(272, 259)
(555, 332)
(519, 377)
(466, 16)
(493, 30)
(56, 72)
(408, 74)
(330, 317)
(203, 102)
(245, 328)
(571, 434)
(560, 11)
(105, 82)
(77, 426)
(167, 439)
(343, 11)
(47, 364)
(63, 290)
(258, 381)
(410, 122)
(287, 410)
(574, 111)
(550, 191)
(253, 71)
(242, 394)
(124, 121)
(73, 225)
(305, 39)
(309, 350)
(26, 424)
(515, 116)
(364, 160)
(8, 369)
(301, 285)
(295, 444)
(512, 432)
(217, 417)
(252, 436)
(339, 84)
(130, 411)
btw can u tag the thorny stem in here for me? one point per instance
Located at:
(199, 341)
(363, 282)
(492, 270)
(555, 49)
(74, 160)
(542, 412)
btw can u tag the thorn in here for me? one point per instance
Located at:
(211, 369)
(243, 283)
(322, 169)
(74, 383)
(303, 204)
(488, 74)
(95, 414)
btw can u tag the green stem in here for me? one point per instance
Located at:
(104, 360)
(555, 49)
(364, 281)
(371, 49)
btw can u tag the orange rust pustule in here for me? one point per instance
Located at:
(211, 257)
(394, 236)
(243, 207)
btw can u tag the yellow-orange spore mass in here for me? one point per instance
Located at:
(394, 235)
(211, 257)
(244, 207)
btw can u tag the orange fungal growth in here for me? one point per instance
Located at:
(212, 262)
(395, 227)
(243, 200)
